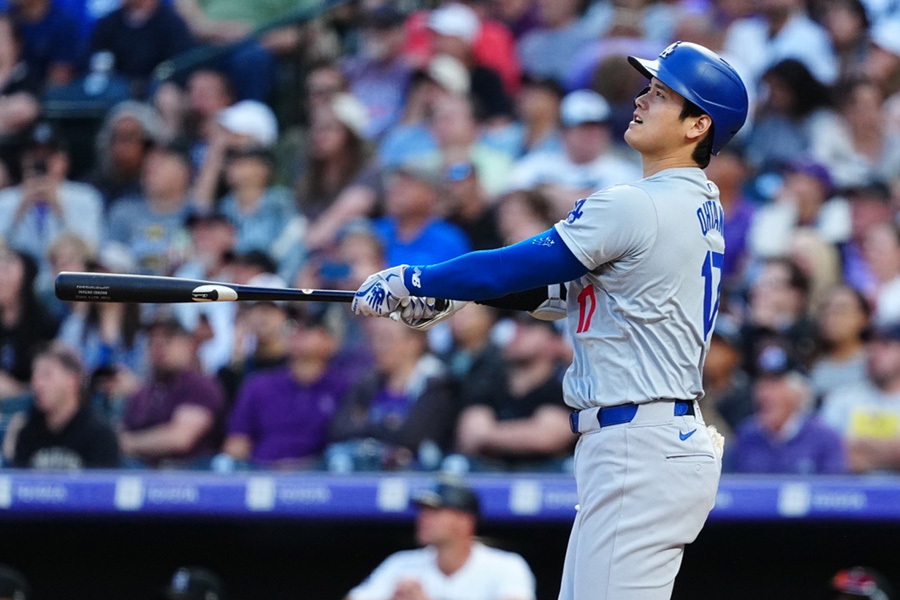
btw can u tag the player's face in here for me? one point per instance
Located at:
(656, 128)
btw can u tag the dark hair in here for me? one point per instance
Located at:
(798, 280)
(808, 92)
(845, 88)
(703, 151)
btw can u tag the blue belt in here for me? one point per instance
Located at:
(625, 413)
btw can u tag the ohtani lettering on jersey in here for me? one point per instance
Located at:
(711, 217)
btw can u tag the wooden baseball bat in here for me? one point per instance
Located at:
(106, 287)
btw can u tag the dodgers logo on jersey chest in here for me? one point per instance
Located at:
(576, 213)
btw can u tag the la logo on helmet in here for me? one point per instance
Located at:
(669, 50)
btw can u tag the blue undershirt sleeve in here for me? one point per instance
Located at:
(538, 261)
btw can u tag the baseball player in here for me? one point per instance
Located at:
(641, 265)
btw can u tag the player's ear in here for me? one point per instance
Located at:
(698, 127)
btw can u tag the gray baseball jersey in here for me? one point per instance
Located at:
(642, 317)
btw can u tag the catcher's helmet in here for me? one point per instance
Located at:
(704, 78)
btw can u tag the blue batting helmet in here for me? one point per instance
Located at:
(704, 78)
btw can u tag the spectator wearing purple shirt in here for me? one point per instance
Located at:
(174, 417)
(282, 415)
(785, 436)
(408, 400)
(729, 171)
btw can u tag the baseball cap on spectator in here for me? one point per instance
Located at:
(449, 494)
(175, 149)
(449, 73)
(195, 583)
(419, 172)
(776, 360)
(13, 584)
(455, 20)
(812, 168)
(316, 315)
(886, 35)
(250, 118)
(583, 106)
(862, 582)
(385, 16)
(351, 113)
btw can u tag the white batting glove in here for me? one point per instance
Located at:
(381, 293)
(421, 314)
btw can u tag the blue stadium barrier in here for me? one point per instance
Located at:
(382, 497)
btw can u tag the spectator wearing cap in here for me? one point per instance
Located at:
(51, 42)
(407, 400)
(727, 397)
(792, 119)
(870, 204)
(140, 35)
(379, 74)
(411, 229)
(784, 435)
(152, 224)
(882, 65)
(451, 563)
(25, 323)
(454, 28)
(125, 139)
(547, 51)
(243, 126)
(464, 204)
(525, 423)
(443, 76)
(174, 417)
(60, 431)
(881, 250)
(47, 203)
(13, 585)
(585, 164)
(865, 150)
(282, 416)
(213, 237)
(805, 199)
(842, 324)
(537, 126)
(195, 583)
(868, 414)
(781, 30)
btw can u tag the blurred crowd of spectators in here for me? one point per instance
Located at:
(236, 141)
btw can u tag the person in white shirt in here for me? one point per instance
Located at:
(452, 564)
(586, 162)
(782, 30)
(46, 204)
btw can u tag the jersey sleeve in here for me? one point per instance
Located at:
(610, 224)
